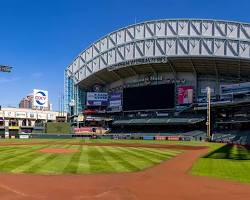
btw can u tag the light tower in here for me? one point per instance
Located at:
(5, 68)
(209, 113)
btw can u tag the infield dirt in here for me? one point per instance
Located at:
(57, 150)
(169, 180)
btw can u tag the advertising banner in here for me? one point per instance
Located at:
(9, 114)
(185, 94)
(51, 116)
(24, 136)
(1, 114)
(204, 91)
(235, 88)
(115, 100)
(21, 115)
(41, 116)
(40, 98)
(97, 99)
(32, 115)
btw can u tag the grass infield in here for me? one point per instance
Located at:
(88, 159)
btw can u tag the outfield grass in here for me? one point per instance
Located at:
(225, 161)
(87, 141)
(228, 162)
(89, 159)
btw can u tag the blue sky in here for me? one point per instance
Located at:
(39, 38)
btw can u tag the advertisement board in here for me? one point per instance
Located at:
(97, 99)
(51, 116)
(41, 116)
(204, 91)
(115, 99)
(9, 114)
(31, 115)
(185, 94)
(238, 88)
(21, 115)
(1, 114)
(24, 136)
(7, 134)
(40, 98)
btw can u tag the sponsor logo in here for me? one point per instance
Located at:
(40, 98)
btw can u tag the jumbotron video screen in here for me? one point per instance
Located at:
(153, 97)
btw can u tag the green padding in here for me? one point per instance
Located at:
(58, 127)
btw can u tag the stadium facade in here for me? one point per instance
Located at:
(162, 68)
(14, 121)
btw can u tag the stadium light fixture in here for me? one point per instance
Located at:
(5, 68)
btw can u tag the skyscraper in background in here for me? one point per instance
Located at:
(27, 102)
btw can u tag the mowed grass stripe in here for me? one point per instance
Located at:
(4, 149)
(19, 160)
(121, 158)
(119, 166)
(89, 159)
(163, 151)
(140, 160)
(223, 168)
(73, 163)
(59, 162)
(13, 153)
(35, 167)
(23, 160)
(243, 169)
(228, 161)
(97, 162)
(110, 167)
(7, 152)
(114, 166)
(143, 156)
(157, 155)
(35, 162)
(83, 165)
(19, 153)
(151, 151)
(54, 163)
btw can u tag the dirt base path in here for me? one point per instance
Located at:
(57, 150)
(168, 180)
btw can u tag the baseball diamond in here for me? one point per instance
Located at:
(159, 109)
(120, 169)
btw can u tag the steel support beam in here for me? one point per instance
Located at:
(172, 69)
(100, 79)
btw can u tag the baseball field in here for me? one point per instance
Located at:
(75, 159)
(225, 161)
(122, 169)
